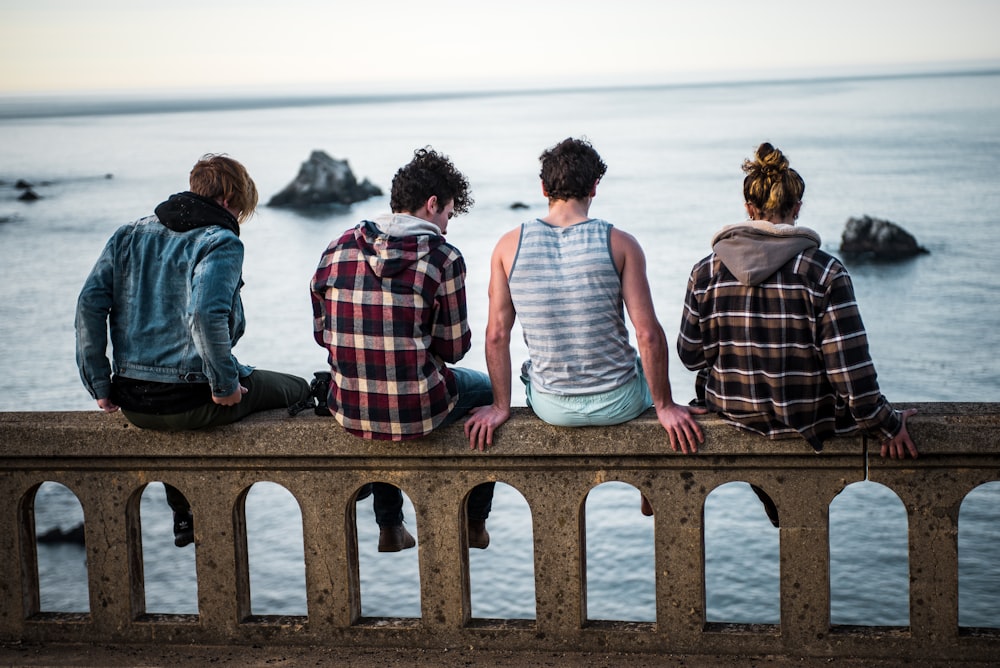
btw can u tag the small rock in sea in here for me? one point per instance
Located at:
(29, 195)
(518, 205)
(21, 184)
(323, 180)
(877, 239)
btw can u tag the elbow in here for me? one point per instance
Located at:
(650, 338)
(497, 337)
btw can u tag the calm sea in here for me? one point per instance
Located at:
(922, 151)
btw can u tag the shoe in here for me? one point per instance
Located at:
(183, 528)
(646, 508)
(479, 537)
(394, 539)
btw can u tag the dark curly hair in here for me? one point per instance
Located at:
(570, 169)
(429, 173)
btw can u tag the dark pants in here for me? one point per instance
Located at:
(266, 390)
(473, 390)
(388, 502)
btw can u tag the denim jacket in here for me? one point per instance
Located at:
(170, 286)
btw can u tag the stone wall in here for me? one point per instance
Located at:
(107, 463)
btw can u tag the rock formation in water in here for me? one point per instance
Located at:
(323, 180)
(876, 239)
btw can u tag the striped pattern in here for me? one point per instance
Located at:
(787, 356)
(389, 335)
(567, 293)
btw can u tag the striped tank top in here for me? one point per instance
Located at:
(568, 296)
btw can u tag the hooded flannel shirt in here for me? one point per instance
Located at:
(389, 306)
(773, 323)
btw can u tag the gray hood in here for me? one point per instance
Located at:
(754, 250)
(393, 242)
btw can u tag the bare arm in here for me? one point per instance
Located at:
(485, 420)
(684, 432)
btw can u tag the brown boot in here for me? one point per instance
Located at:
(479, 537)
(394, 539)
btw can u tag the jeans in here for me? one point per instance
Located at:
(474, 389)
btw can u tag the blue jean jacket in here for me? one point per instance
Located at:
(173, 302)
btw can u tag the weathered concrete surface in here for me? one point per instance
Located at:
(225, 656)
(107, 463)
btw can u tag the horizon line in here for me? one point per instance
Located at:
(75, 104)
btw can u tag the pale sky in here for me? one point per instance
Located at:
(330, 46)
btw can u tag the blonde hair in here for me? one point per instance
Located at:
(770, 184)
(217, 176)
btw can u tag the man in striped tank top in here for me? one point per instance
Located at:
(570, 278)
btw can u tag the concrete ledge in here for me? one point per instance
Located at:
(107, 463)
(939, 428)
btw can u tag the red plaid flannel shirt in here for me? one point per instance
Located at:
(390, 324)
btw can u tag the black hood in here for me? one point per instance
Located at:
(186, 211)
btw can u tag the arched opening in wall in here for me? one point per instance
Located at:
(742, 557)
(502, 576)
(621, 559)
(388, 558)
(869, 557)
(275, 553)
(979, 558)
(168, 558)
(60, 549)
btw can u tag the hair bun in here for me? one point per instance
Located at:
(770, 160)
(771, 184)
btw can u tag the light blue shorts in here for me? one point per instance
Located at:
(590, 410)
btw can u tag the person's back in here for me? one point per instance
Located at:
(393, 315)
(771, 372)
(159, 314)
(567, 292)
(168, 289)
(772, 325)
(571, 278)
(389, 307)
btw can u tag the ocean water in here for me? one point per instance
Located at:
(923, 152)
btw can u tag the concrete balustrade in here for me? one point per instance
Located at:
(107, 463)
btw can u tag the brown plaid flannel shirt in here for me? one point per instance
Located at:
(787, 356)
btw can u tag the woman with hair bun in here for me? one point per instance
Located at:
(772, 325)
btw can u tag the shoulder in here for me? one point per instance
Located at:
(510, 238)
(216, 237)
(622, 238)
(625, 249)
(823, 265)
(506, 247)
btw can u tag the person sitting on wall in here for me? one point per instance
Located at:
(570, 277)
(389, 307)
(772, 326)
(169, 284)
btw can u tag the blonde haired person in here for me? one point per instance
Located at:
(771, 323)
(169, 284)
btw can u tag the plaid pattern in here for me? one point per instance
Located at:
(390, 335)
(787, 356)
